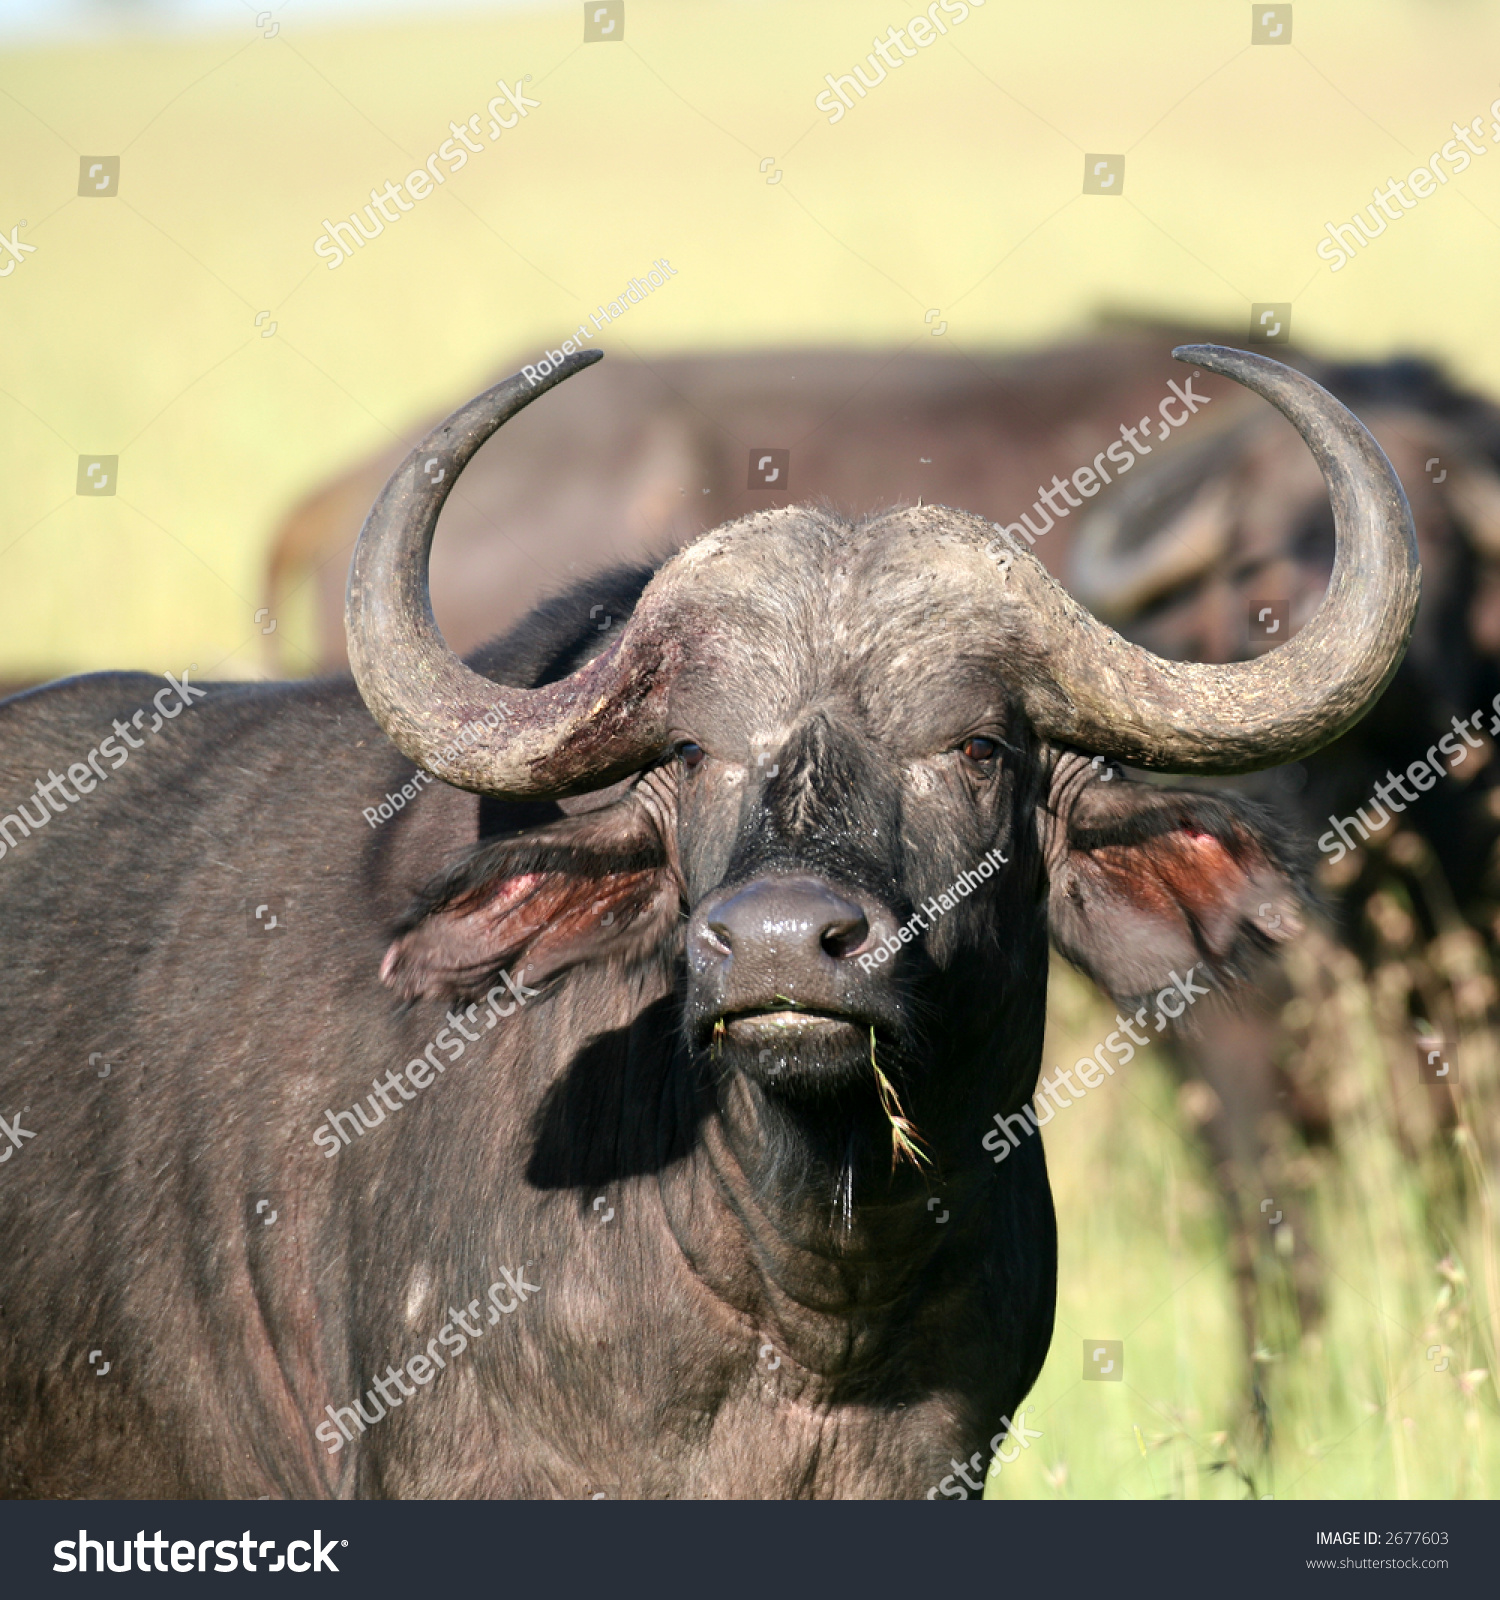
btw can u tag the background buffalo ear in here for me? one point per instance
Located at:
(1148, 882)
(597, 886)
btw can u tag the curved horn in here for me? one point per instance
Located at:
(1090, 688)
(581, 733)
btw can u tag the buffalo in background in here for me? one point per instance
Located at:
(1216, 550)
(648, 455)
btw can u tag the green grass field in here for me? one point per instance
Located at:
(135, 329)
(1403, 1214)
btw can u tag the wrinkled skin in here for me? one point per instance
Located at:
(1244, 496)
(770, 1307)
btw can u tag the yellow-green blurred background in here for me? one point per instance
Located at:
(135, 329)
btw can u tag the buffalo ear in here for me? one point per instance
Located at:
(1147, 883)
(597, 886)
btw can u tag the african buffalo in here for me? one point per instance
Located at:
(1228, 521)
(658, 1221)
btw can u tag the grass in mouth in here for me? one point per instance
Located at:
(905, 1140)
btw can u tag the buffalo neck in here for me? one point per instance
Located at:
(795, 1216)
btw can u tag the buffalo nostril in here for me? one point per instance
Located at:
(784, 920)
(841, 939)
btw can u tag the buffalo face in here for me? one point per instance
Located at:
(839, 764)
(850, 846)
(822, 730)
(833, 841)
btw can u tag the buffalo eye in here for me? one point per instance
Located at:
(980, 751)
(690, 754)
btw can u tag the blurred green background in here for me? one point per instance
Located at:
(185, 325)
